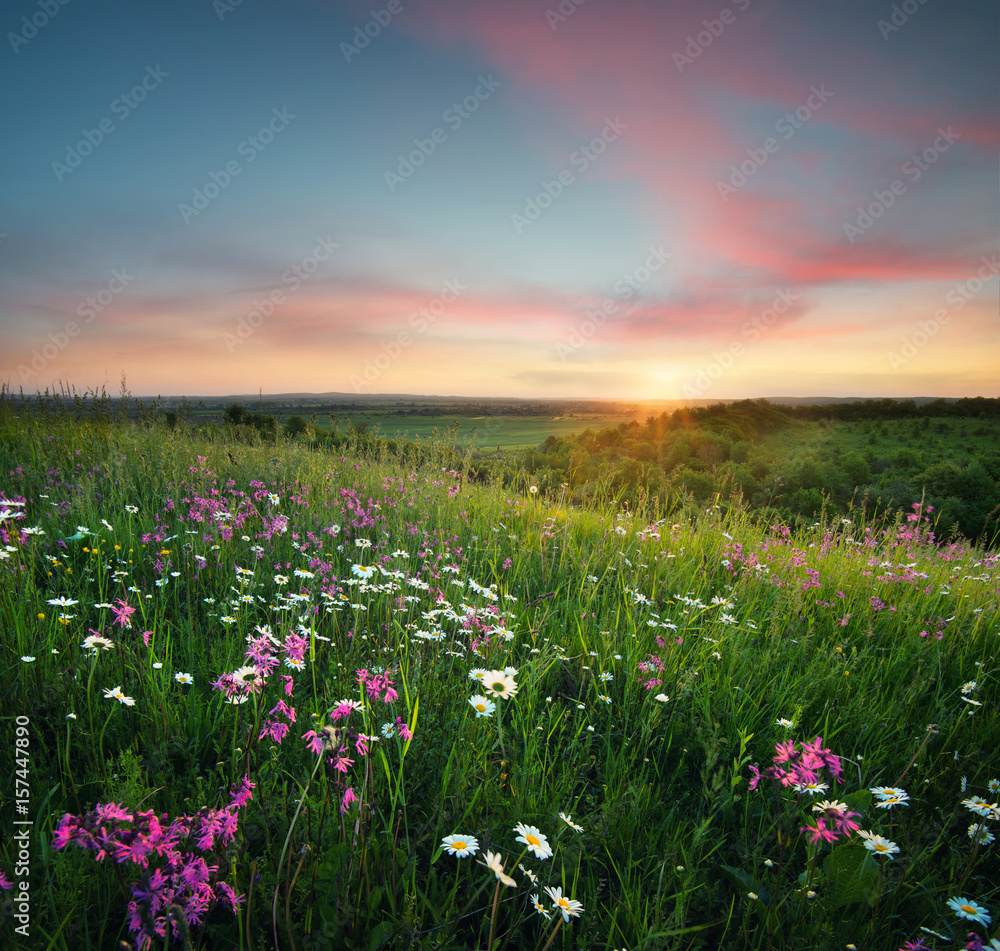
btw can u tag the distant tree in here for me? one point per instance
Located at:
(856, 469)
(806, 502)
(295, 426)
(907, 458)
(740, 451)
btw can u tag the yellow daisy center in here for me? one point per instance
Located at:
(532, 840)
(459, 845)
(969, 909)
(481, 707)
(563, 903)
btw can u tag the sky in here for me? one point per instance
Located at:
(621, 199)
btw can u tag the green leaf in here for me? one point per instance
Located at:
(745, 883)
(858, 801)
(852, 873)
(328, 913)
(379, 935)
(79, 536)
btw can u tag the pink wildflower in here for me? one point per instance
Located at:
(819, 832)
(123, 613)
(349, 797)
(314, 741)
(242, 793)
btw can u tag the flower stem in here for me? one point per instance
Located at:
(552, 937)
(288, 838)
(493, 914)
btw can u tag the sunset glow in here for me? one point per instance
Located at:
(523, 198)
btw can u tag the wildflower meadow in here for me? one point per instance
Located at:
(258, 695)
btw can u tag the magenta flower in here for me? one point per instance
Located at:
(803, 765)
(123, 613)
(112, 811)
(314, 741)
(242, 793)
(783, 752)
(179, 893)
(819, 832)
(136, 851)
(404, 731)
(377, 684)
(342, 764)
(225, 893)
(64, 832)
(349, 797)
(276, 730)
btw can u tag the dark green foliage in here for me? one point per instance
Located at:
(296, 426)
(795, 462)
(248, 426)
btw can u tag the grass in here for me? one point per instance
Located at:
(507, 432)
(654, 666)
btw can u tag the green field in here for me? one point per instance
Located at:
(511, 432)
(260, 695)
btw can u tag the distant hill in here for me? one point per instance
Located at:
(380, 399)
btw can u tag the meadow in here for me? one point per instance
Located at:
(486, 432)
(262, 695)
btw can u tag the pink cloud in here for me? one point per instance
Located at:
(618, 61)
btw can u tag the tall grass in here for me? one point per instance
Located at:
(654, 666)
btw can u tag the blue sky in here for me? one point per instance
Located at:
(647, 111)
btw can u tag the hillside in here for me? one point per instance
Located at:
(349, 699)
